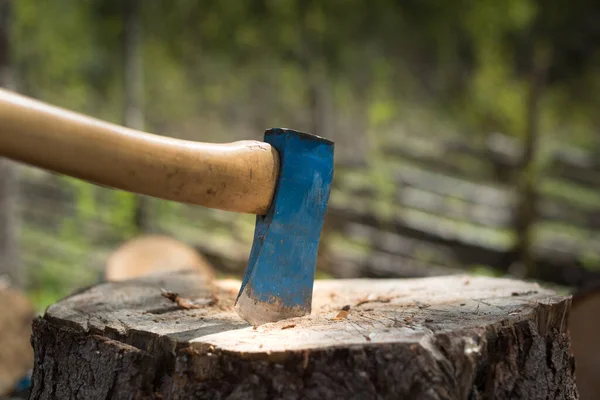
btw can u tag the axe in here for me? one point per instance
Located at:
(284, 180)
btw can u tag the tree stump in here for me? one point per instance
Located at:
(176, 337)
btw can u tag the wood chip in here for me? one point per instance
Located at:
(181, 302)
(290, 326)
(530, 292)
(374, 300)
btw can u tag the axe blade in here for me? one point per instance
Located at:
(279, 278)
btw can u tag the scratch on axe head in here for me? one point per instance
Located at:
(280, 275)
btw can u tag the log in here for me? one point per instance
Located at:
(176, 337)
(584, 329)
(16, 354)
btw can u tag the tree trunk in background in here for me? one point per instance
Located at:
(133, 115)
(9, 213)
(526, 210)
(318, 102)
(311, 58)
(319, 117)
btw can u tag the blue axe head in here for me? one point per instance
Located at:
(280, 275)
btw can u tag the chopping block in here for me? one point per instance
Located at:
(177, 336)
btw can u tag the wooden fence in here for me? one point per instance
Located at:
(424, 206)
(451, 206)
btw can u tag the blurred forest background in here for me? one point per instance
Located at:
(467, 132)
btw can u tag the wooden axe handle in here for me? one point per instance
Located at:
(239, 176)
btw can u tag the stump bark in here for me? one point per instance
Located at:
(176, 337)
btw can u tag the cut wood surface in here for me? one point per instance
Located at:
(16, 354)
(176, 337)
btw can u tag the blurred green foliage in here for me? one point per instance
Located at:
(220, 63)
(227, 70)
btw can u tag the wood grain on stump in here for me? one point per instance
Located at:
(452, 337)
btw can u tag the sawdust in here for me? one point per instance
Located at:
(389, 302)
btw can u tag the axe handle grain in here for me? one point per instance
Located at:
(239, 176)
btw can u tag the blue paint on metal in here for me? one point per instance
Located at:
(282, 261)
